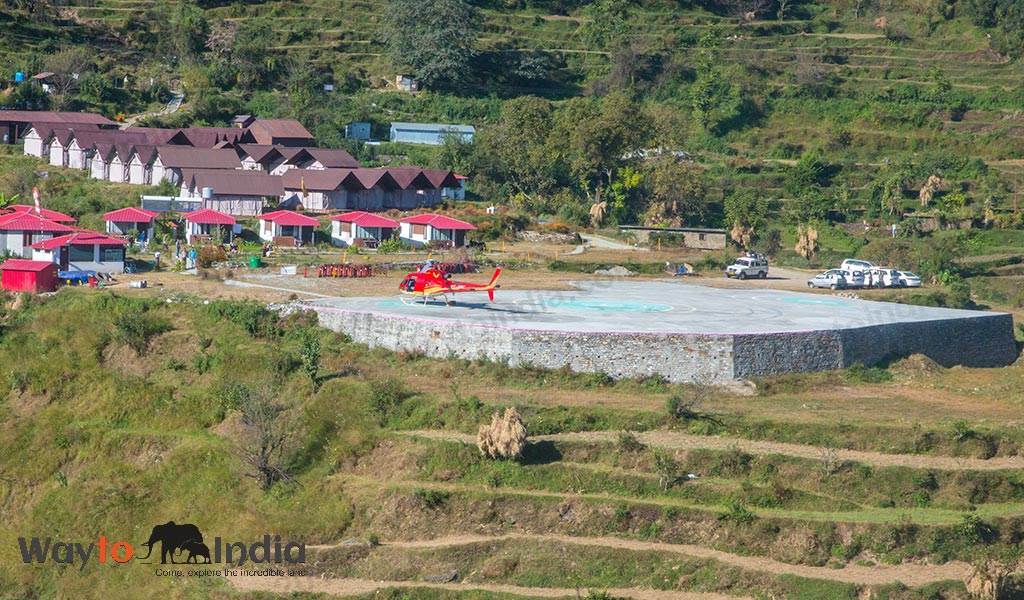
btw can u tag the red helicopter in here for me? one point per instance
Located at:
(428, 282)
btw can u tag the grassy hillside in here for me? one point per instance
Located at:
(150, 426)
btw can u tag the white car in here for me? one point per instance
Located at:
(852, 264)
(854, 278)
(832, 279)
(882, 277)
(750, 266)
(908, 279)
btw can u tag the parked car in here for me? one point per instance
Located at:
(852, 264)
(908, 279)
(854, 278)
(882, 277)
(749, 266)
(832, 279)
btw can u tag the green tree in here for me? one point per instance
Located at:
(677, 193)
(519, 141)
(310, 352)
(713, 97)
(807, 176)
(67, 67)
(888, 190)
(456, 154)
(252, 56)
(1005, 16)
(592, 140)
(607, 24)
(305, 89)
(435, 39)
(188, 30)
(746, 211)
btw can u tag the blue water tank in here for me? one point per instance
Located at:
(19, 77)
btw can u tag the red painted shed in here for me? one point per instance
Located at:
(17, 275)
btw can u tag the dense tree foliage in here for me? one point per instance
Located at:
(435, 39)
(1005, 17)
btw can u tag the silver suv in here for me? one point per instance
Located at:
(749, 266)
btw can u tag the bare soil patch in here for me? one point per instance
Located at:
(349, 587)
(682, 441)
(909, 574)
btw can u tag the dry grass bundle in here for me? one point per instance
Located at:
(505, 437)
(931, 186)
(807, 241)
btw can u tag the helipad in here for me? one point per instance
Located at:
(680, 330)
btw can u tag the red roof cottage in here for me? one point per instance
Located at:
(18, 231)
(438, 229)
(50, 215)
(82, 251)
(126, 220)
(358, 228)
(17, 275)
(208, 223)
(285, 223)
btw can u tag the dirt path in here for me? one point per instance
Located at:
(348, 587)
(682, 441)
(909, 574)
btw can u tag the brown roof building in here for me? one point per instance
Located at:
(284, 132)
(14, 123)
(240, 193)
(364, 189)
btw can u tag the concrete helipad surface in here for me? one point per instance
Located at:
(678, 329)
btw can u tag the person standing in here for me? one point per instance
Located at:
(156, 263)
(192, 257)
(177, 249)
(893, 230)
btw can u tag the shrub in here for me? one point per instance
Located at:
(739, 513)
(688, 403)
(668, 469)
(430, 499)
(208, 255)
(385, 398)
(269, 436)
(392, 246)
(505, 437)
(311, 358)
(858, 373)
(257, 320)
(628, 443)
(134, 326)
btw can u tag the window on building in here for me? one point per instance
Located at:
(113, 255)
(418, 229)
(81, 254)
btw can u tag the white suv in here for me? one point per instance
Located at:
(852, 264)
(751, 265)
(882, 277)
(854, 277)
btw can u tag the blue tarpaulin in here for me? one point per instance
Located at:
(75, 277)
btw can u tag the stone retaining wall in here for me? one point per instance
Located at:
(983, 341)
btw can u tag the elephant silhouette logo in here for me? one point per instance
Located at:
(174, 538)
(196, 550)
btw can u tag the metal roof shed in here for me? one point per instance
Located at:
(17, 275)
(429, 133)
